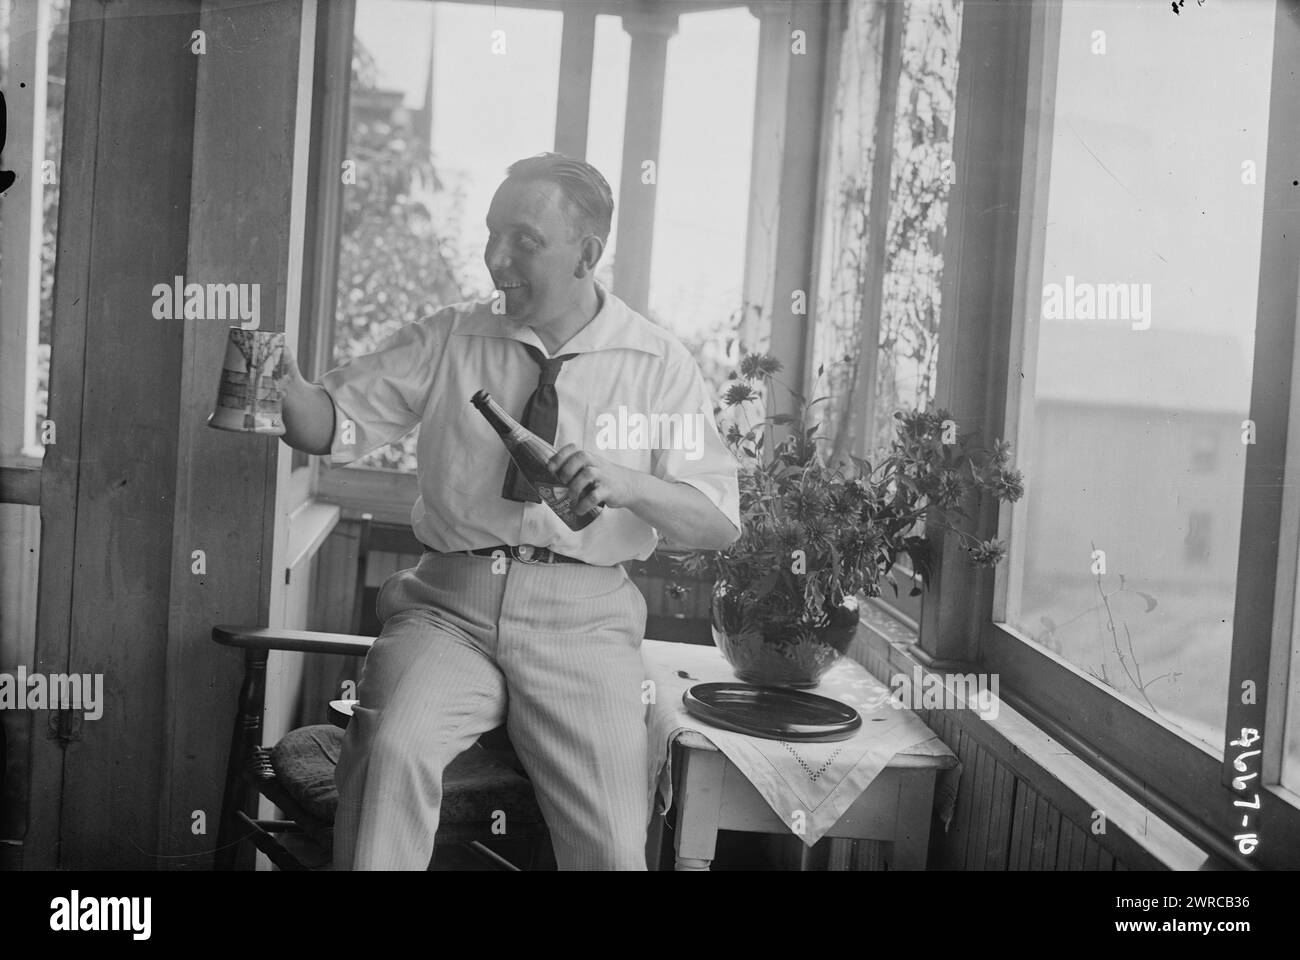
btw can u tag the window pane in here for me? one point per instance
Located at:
(918, 213)
(861, 413)
(844, 268)
(426, 167)
(1125, 557)
(702, 203)
(17, 48)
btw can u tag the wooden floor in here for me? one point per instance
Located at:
(736, 851)
(462, 858)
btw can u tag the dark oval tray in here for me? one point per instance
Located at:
(773, 713)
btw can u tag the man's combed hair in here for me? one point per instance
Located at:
(581, 184)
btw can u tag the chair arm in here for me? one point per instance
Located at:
(305, 641)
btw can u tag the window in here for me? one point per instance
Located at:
(1144, 343)
(882, 251)
(882, 258)
(444, 97)
(1133, 317)
(33, 44)
(921, 178)
(49, 19)
(703, 195)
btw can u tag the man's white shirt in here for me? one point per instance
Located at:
(627, 369)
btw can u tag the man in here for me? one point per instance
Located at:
(546, 634)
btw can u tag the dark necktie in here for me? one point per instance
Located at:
(541, 415)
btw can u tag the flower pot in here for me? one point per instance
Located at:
(781, 655)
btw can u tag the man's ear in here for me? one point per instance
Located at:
(588, 255)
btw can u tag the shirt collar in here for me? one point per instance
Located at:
(616, 326)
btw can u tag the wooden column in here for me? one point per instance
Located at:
(642, 123)
(175, 163)
(109, 481)
(331, 98)
(247, 214)
(1266, 597)
(572, 110)
(800, 169)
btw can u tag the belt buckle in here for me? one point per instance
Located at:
(525, 553)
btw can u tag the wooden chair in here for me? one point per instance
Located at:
(680, 620)
(297, 773)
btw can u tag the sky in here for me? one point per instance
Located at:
(1148, 145)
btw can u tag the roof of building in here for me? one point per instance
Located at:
(1108, 364)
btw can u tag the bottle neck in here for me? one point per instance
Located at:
(496, 415)
(512, 432)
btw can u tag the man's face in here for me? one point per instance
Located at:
(532, 252)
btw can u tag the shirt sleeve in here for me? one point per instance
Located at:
(702, 460)
(380, 397)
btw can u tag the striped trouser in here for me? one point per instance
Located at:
(463, 636)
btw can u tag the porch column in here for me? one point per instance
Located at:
(108, 481)
(577, 46)
(643, 119)
(993, 117)
(178, 161)
(793, 293)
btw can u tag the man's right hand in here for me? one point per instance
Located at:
(308, 410)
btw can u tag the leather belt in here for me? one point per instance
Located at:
(525, 553)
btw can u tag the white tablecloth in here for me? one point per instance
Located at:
(820, 779)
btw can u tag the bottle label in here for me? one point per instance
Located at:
(558, 499)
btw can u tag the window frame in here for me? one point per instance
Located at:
(21, 453)
(904, 607)
(1166, 769)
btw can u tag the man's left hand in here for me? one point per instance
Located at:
(594, 479)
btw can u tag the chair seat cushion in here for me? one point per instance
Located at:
(474, 785)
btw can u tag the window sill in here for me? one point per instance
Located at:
(387, 495)
(20, 479)
(1135, 835)
(309, 525)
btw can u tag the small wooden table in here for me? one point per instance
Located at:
(712, 795)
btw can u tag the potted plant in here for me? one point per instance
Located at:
(816, 535)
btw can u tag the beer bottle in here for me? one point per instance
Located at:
(531, 453)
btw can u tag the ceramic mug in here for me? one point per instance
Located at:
(249, 399)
